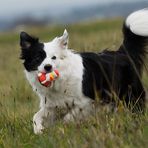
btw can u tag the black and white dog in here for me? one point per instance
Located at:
(113, 75)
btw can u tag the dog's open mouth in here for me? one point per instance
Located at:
(47, 79)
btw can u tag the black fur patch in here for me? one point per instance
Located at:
(32, 51)
(116, 75)
(112, 77)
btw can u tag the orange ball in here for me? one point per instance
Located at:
(57, 72)
(42, 79)
(47, 78)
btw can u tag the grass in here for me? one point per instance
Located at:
(18, 103)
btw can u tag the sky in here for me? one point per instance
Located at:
(10, 8)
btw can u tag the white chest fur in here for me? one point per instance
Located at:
(66, 89)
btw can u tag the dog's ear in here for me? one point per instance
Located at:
(26, 41)
(63, 40)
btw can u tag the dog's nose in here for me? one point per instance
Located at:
(48, 67)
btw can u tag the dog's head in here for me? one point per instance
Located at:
(43, 57)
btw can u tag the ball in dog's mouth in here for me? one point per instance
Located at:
(46, 79)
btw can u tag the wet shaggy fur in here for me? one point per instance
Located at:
(111, 76)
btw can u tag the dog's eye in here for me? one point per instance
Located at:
(54, 57)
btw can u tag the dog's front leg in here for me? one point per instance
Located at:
(42, 119)
(79, 113)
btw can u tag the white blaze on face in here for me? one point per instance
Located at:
(56, 48)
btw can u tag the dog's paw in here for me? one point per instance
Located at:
(38, 128)
(68, 118)
(38, 123)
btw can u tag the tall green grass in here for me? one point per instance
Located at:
(18, 103)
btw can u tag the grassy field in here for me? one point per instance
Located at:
(18, 103)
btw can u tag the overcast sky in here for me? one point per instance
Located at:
(16, 7)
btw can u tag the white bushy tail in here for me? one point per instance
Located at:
(135, 31)
(137, 22)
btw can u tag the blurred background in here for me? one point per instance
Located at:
(93, 25)
(21, 13)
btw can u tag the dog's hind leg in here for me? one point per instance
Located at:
(138, 98)
(134, 96)
(79, 112)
